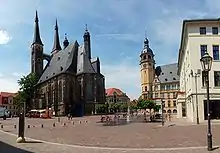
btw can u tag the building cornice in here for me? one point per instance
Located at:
(183, 33)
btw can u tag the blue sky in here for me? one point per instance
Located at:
(117, 29)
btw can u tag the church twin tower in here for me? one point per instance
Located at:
(37, 54)
(147, 70)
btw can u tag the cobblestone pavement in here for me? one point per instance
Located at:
(134, 135)
(34, 146)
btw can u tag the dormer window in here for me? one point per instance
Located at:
(170, 72)
(46, 77)
(174, 78)
(162, 73)
(166, 79)
(61, 68)
(58, 58)
(53, 73)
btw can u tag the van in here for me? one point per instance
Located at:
(4, 113)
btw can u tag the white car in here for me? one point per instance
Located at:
(4, 113)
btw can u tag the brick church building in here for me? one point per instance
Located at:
(71, 81)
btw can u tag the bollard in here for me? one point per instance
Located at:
(42, 125)
(79, 122)
(28, 126)
(54, 124)
(15, 126)
(33, 125)
(86, 121)
(2, 126)
(58, 119)
(73, 123)
(64, 124)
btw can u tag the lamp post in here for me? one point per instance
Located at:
(128, 112)
(21, 125)
(206, 62)
(197, 107)
(162, 107)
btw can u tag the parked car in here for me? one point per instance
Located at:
(4, 113)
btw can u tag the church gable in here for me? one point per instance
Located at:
(84, 64)
(59, 63)
(94, 62)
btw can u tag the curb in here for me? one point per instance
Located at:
(109, 148)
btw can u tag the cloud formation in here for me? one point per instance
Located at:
(117, 29)
(4, 37)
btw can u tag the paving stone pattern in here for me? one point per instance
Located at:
(38, 147)
(134, 135)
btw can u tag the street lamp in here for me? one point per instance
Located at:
(206, 62)
(195, 75)
(21, 125)
(162, 107)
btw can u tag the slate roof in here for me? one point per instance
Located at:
(84, 64)
(59, 62)
(94, 62)
(169, 73)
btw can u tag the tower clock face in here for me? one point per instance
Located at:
(144, 65)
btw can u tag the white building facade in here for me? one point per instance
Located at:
(198, 36)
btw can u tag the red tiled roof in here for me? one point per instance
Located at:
(112, 91)
(7, 94)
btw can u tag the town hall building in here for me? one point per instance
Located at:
(71, 81)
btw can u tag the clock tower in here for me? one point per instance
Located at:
(147, 70)
(37, 51)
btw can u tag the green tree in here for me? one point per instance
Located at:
(146, 104)
(142, 104)
(157, 108)
(26, 90)
(123, 107)
(151, 105)
(102, 108)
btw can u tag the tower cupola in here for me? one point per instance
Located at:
(147, 48)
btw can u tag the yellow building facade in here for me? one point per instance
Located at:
(160, 84)
(147, 66)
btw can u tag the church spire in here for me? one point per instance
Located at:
(56, 45)
(37, 39)
(87, 44)
(65, 42)
(146, 41)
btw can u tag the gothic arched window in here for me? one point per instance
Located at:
(60, 91)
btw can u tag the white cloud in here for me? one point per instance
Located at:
(128, 37)
(125, 76)
(8, 85)
(18, 75)
(4, 37)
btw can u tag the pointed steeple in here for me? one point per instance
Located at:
(56, 45)
(87, 44)
(65, 42)
(86, 33)
(146, 43)
(37, 39)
